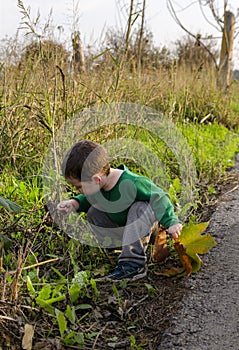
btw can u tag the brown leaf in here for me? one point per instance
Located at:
(49, 344)
(161, 250)
(173, 271)
(28, 336)
(185, 260)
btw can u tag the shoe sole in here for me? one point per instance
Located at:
(137, 277)
(134, 278)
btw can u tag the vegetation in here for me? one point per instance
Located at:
(48, 279)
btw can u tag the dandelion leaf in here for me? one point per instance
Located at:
(62, 324)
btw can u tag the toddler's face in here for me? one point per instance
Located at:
(84, 187)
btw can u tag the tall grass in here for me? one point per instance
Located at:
(40, 92)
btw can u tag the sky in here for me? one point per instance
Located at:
(96, 16)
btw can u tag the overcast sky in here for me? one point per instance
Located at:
(95, 16)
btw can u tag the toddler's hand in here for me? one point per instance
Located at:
(68, 206)
(175, 230)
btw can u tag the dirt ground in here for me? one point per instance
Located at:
(158, 313)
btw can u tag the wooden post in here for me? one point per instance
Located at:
(78, 53)
(224, 71)
(141, 34)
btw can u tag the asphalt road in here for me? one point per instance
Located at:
(208, 317)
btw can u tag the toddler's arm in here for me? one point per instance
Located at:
(68, 206)
(175, 230)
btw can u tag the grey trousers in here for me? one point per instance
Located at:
(133, 237)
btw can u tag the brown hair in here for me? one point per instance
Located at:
(85, 159)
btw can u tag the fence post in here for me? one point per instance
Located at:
(224, 71)
(78, 53)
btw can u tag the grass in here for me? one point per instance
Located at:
(37, 97)
(214, 147)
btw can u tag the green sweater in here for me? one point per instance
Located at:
(130, 188)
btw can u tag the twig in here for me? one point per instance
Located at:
(96, 339)
(20, 306)
(7, 318)
(136, 304)
(232, 190)
(35, 265)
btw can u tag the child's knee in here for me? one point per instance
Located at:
(142, 210)
(91, 214)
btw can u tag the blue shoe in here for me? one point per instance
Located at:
(127, 271)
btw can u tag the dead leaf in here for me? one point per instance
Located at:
(190, 243)
(28, 336)
(185, 260)
(49, 344)
(161, 250)
(173, 271)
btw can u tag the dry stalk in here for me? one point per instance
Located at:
(35, 265)
(7, 318)
(1, 254)
(20, 261)
(3, 285)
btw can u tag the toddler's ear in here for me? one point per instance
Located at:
(97, 179)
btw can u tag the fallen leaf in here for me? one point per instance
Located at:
(196, 243)
(173, 271)
(27, 337)
(49, 344)
(161, 250)
(184, 258)
(190, 243)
